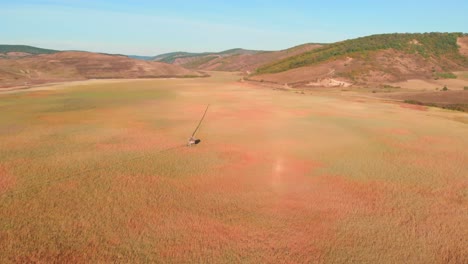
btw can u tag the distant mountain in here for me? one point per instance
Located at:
(193, 59)
(25, 49)
(17, 51)
(138, 57)
(172, 56)
(238, 51)
(250, 62)
(233, 59)
(373, 59)
(74, 65)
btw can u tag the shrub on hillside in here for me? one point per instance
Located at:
(409, 101)
(429, 45)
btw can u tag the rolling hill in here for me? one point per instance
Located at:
(250, 62)
(373, 59)
(376, 59)
(231, 60)
(196, 60)
(73, 65)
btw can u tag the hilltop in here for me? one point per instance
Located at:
(372, 59)
(74, 65)
(14, 51)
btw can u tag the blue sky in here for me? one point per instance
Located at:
(144, 27)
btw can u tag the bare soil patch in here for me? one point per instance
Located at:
(463, 45)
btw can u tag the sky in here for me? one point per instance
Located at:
(144, 27)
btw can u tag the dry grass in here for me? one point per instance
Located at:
(278, 177)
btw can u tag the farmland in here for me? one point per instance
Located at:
(97, 171)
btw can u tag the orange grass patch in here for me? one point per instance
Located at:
(414, 107)
(298, 210)
(244, 113)
(267, 184)
(396, 131)
(7, 181)
(40, 94)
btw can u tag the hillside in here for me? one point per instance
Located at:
(372, 59)
(250, 62)
(66, 66)
(193, 60)
(233, 59)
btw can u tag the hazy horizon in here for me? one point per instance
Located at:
(146, 28)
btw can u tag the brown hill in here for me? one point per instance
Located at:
(372, 60)
(246, 62)
(384, 66)
(68, 66)
(14, 54)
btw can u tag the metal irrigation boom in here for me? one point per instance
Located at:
(201, 120)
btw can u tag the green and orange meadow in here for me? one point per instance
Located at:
(98, 172)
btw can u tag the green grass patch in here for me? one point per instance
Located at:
(445, 75)
(199, 61)
(79, 99)
(413, 102)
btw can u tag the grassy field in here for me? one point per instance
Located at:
(98, 172)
